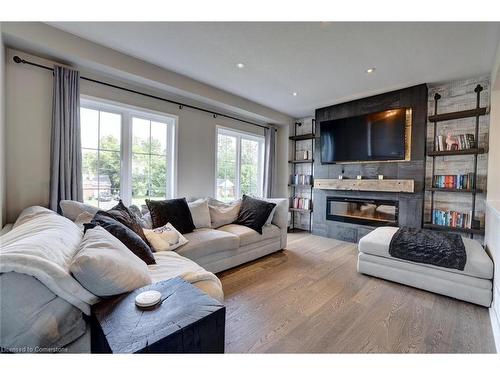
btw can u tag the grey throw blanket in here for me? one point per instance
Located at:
(430, 247)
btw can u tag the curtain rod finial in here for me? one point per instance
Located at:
(17, 59)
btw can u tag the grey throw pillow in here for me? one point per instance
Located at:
(72, 209)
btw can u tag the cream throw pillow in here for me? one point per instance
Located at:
(200, 213)
(106, 267)
(223, 213)
(165, 238)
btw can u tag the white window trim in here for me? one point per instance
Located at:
(127, 112)
(239, 134)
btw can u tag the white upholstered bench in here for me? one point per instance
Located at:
(473, 284)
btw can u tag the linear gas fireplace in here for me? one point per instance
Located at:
(373, 212)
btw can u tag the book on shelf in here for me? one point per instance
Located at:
(458, 181)
(456, 143)
(452, 219)
(301, 203)
(301, 179)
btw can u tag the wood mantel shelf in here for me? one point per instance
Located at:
(397, 186)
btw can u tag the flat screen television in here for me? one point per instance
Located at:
(378, 136)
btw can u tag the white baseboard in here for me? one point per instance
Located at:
(495, 326)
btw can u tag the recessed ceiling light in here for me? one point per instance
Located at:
(294, 93)
(240, 65)
(370, 70)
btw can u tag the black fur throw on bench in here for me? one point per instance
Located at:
(430, 247)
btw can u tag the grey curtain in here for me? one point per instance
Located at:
(65, 149)
(269, 163)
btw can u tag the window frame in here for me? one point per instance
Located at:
(127, 113)
(240, 134)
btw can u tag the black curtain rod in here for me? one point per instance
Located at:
(18, 60)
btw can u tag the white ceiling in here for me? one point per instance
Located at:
(324, 62)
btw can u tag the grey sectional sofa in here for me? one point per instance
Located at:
(28, 305)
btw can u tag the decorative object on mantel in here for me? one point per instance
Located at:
(380, 176)
(341, 177)
(398, 186)
(359, 177)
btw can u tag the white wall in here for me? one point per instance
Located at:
(494, 149)
(492, 237)
(2, 131)
(29, 106)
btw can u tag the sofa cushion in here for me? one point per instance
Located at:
(203, 242)
(31, 315)
(169, 264)
(478, 263)
(248, 236)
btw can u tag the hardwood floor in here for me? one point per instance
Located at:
(310, 299)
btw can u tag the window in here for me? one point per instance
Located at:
(126, 153)
(240, 164)
(101, 161)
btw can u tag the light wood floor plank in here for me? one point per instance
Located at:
(309, 298)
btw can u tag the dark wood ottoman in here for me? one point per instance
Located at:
(188, 321)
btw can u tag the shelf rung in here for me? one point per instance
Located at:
(301, 161)
(468, 151)
(448, 190)
(302, 137)
(458, 115)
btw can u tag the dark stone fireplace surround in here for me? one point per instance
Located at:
(410, 204)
